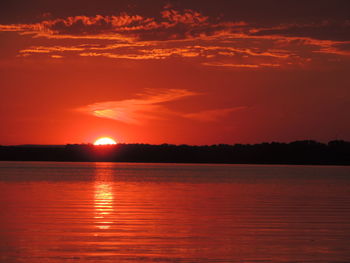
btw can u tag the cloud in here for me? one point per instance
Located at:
(50, 49)
(326, 30)
(112, 27)
(151, 106)
(144, 54)
(229, 65)
(188, 17)
(136, 111)
(249, 66)
(188, 34)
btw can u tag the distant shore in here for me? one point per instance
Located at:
(298, 152)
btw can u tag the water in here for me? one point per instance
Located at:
(119, 212)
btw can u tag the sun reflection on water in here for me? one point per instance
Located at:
(103, 199)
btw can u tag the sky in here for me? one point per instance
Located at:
(179, 72)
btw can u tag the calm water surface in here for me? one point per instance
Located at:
(119, 212)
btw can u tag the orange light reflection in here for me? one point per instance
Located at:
(103, 199)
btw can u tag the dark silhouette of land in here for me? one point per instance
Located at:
(298, 152)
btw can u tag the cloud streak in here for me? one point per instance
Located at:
(151, 106)
(147, 106)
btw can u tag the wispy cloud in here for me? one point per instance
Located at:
(105, 26)
(146, 106)
(249, 66)
(188, 34)
(230, 65)
(151, 106)
(143, 54)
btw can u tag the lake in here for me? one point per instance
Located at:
(124, 212)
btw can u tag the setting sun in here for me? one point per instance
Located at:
(104, 141)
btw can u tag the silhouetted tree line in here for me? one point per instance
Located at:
(298, 152)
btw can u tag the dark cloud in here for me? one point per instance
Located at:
(323, 31)
(189, 33)
(22, 11)
(343, 46)
(254, 11)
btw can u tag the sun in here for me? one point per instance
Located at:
(105, 141)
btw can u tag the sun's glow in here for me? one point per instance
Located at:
(104, 141)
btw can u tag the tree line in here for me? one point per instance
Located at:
(298, 152)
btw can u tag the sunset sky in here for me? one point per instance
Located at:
(182, 72)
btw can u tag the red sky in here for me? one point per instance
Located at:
(194, 72)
